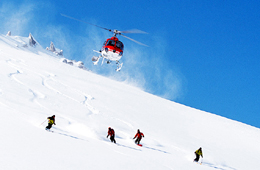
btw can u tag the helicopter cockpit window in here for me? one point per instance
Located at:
(111, 42)
(120, 45)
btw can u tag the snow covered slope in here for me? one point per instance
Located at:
(34, 84)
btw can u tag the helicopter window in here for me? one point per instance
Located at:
(111, 42)
(120, 45)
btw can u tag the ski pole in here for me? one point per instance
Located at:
(43, 122)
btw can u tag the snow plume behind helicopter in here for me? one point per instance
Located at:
(144, 67)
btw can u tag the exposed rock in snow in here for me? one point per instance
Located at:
(32, 41)
(78, 64)
(54, 50)
(9, 33)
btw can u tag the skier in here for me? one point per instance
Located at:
(51, 122)
(111, 133)
(138, 137)
(198, 153)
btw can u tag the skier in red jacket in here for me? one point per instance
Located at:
(138, 137)
(111, 133)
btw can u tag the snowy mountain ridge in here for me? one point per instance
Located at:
(35, 84)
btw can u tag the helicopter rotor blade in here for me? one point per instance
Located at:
(134, 40)
(135, 31)
(85, 22)
(114, 31)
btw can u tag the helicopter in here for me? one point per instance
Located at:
(112, 49)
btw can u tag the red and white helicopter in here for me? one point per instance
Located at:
(112, 49)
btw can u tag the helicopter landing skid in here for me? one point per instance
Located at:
(119, 66)
(95, 60)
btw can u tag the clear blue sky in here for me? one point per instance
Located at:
(203, 54)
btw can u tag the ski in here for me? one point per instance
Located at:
(198, 162)
(49, 130)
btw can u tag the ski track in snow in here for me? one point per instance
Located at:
(10, 42)
(36, 94)
(45, 81)
(0, 96)
(4, 105)
(65, 133)
(129, 147)
(154, 149)
(1, 102)
(41, 85)
(12, 75)
(218, 167)
(87, 98)
(128, 124)
(51, 77)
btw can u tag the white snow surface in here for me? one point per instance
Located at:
(34, 85)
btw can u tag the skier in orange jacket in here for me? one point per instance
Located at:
(138, 136)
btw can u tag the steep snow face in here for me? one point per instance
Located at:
(34, 84)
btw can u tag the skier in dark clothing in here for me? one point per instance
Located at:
(111, 133)
(51, 122)
(138, 136)
(198, 153)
